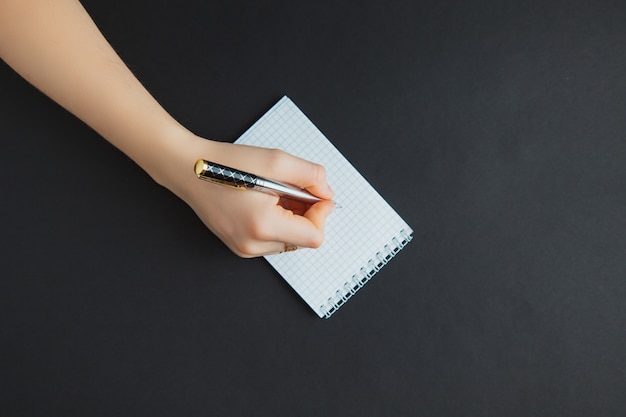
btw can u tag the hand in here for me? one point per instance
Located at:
(250, 223)
(104, 93)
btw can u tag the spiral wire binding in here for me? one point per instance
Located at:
(365, 273)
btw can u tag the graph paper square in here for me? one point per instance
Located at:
(360, 237)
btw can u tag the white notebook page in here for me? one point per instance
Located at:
(360, 237)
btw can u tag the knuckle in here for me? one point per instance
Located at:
(275, 159)
(316, 240)
(244, 249)
(261, 232)
(318, 173)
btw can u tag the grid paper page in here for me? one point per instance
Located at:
(360, 237)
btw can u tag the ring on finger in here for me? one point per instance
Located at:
(290, 248)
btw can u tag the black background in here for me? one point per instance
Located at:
(496, 129)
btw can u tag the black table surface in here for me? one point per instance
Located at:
(502, 129)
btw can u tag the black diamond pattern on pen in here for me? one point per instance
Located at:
(240, 179)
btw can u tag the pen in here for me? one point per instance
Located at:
(220, 174)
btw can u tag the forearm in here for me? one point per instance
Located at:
(55, 45)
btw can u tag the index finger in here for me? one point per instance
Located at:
(300, 172)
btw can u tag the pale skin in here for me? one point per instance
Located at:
(55, 45)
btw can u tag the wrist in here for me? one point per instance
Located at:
(171, 160)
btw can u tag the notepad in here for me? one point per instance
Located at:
(361, 237)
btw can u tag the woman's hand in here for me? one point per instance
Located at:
(85, 75)
(249, 223)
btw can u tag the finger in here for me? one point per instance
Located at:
(278, 248)
(305, 231)
(318, 213)
(300, 172)
(261, 248)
